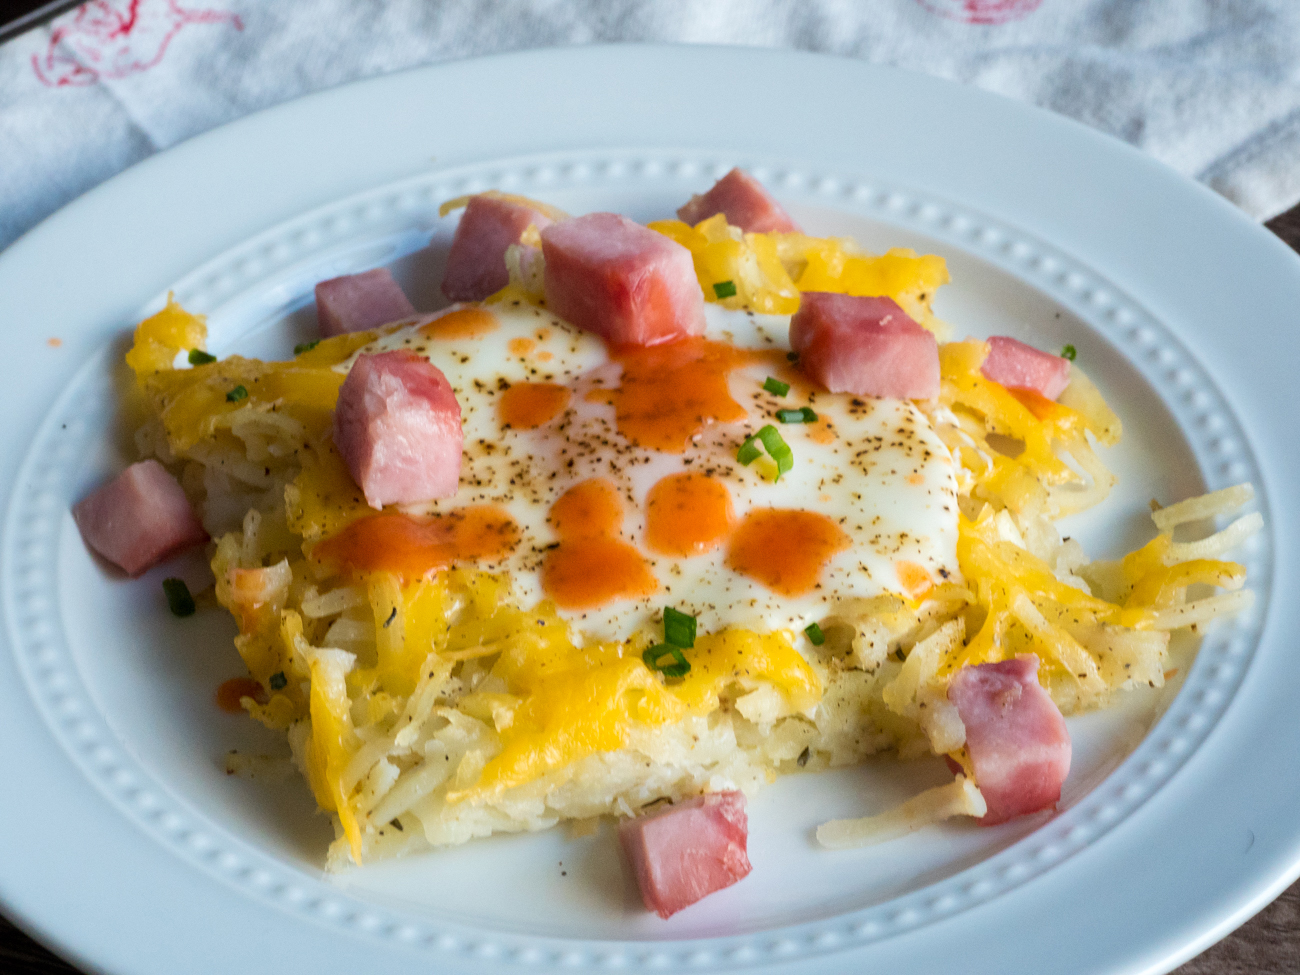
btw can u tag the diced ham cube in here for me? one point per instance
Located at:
(1018, 743)
(397, 426)
(621, 280)
(744, 202)
(356, 302)
(476, 264)
(687, 851)
(1020, 366)
(865, 346)
(139, 519)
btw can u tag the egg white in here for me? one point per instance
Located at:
(886, 478)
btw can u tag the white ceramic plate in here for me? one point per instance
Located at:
(129, 851)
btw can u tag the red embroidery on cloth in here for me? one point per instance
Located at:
(981, 11)
(116, 38)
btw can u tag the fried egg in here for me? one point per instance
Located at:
(620, 468)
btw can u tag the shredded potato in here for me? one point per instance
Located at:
(1202, 610)
(1217, 544)
(420, 712)
(1204, 506)
(959, 797)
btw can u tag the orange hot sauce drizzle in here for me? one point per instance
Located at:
(671, 392)
(526, 406)
(230, 691)
(520, 346)
(821, 432)
(1044, 409)
(688, 514)
(412, 546)
(591, 566)
(914, 579)
(785, 549)
(460, 323)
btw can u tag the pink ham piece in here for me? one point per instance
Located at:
(356, 302)
(865, 346)
(476, 264)
(621, 280)
(397, 426)
(744, 202)
(139, 519)
(1018, 743)
(688, 850)
(1019, 366)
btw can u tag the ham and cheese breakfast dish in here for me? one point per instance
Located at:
(650, 516)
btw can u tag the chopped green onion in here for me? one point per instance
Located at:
(1069, 352)
(655, 656)
(749, 451)
(805, 415)
(200, 358)
(792, 356)
(679, 629)
(725, 289)
(302, 347)
(278, 681)
(777, 449)
(179, 599)
(776, 387)
(815, 635)
(236, 394)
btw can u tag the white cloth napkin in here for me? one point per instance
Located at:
(1208, 87)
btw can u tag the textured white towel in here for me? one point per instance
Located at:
(1210, 87)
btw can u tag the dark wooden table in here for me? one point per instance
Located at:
(1268, 944)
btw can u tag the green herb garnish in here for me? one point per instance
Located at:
(777, 449)
(179, 599)
(815, 635)
(198, 357)
(775, 446)
(654, 659)
(302, 347)
(805, 415)
(679, 633)
(679, 629)
(749, 451)
(776, 387)
(236, 394)
(278, 681)
(1069, 352)
(725, 289)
